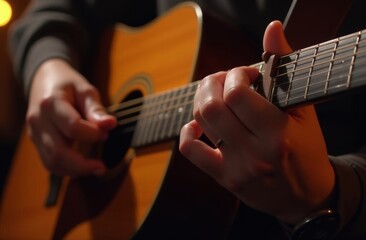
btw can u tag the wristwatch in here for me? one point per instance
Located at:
(322, 225)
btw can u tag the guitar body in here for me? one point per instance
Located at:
(157, 194)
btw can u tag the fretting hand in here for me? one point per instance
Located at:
(273, 161)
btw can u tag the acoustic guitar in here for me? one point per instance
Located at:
(151, 191)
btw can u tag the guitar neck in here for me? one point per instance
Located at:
(163, 115)
(305, 76)
(319, 72)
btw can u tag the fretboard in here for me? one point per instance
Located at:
(319, 71)
(302, 77)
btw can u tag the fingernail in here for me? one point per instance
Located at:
(100, 115)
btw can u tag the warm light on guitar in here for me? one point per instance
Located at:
(148, 87)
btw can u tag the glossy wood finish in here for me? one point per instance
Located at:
(160, 194)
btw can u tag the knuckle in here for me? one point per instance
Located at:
(46, 103)
(236, 70)
(89, 90)
(234, 95)
(210, 108)
(71, 128)
(212, 77)
(184, 149)
(32, 119)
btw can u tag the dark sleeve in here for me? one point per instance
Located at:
(67, 29)
(351, 188)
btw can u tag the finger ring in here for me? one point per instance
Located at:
(218, 143)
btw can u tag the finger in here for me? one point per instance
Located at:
(57, 154)
(92, 109)
(214, 116)
(69, 122)
(274, 40)
(204, 97)
(199, 153)
(254, 111)
(260, 116)
(65, 161)
(73, 164)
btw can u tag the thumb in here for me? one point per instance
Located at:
(274, 40)
(94, 111)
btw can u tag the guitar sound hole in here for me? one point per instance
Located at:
(119, 140)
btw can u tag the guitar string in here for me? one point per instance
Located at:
(141, 100)
(120, 112)
(135, 119)
(118, 107)
(353, 36)
(336, 67)
(187, 103)
(338, 58)
(325, 63)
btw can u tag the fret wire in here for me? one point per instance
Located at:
(321, 63)
(310, 72)
(353, 59)
(167, 115)
(338, 87)
(291, 78)
(260, 65)
(274, 81)
(189, 103)
(317, 83)
(149, 123)
(146, 114)
(177, 105)
(304, 68)
(172, 106)
(131, 102)
(140, 126)
(327, 43)
(321, 53)
(314, 93)
(155, 117)
(174, 111)
(161, 118)
(187, 113)
(181, 109)
(330, 66)
(115, 107)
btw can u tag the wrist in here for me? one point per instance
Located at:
(318, 195)
(323, 224)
